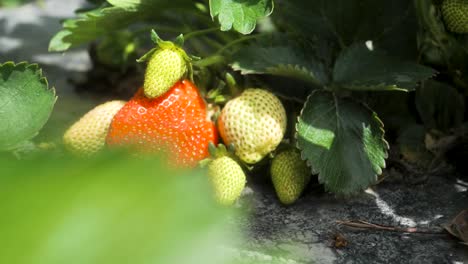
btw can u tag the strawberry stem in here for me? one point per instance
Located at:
(232, 84)
(200, 32)
(211, 60)
(240, 40)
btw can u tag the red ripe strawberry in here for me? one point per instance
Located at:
(175, 122)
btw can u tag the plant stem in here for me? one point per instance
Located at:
(213, 43)
(200, 32)
(208, 61)
(240, 40)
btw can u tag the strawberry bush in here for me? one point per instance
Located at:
(350, 81)
(223, 92)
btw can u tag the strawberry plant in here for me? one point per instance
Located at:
(340, 81)
(342, 70)
(333, 91)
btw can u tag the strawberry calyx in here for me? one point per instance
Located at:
(219, 151)
(224, 91)
(175, 46)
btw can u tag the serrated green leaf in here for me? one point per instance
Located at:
(361, 68)
(96, 23)
(440, 106)
(90, 26)
(240, 15)
(26, 103)
(278, 59)
(345, 21)
(343, 141)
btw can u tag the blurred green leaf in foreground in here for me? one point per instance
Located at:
(110, 209)
(13, 3)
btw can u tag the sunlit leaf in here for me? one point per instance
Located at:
(342, 141)
(26, 102)
(240, 15)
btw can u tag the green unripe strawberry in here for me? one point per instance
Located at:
(88, 135)
(455, 13)
(290, 175)
(227, 178)
(254, 122)
(165, 68)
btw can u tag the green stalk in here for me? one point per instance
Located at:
(240, 40)
(200, 32)
(211, 60)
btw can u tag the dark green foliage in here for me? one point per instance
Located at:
(440, 106)
(348, 49)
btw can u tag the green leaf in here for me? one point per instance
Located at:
(344, 21)
(109, 209)
(151, 5)
(364, 69)
(343, 141)
(90, 26)
(26, 103)
(440, 106)
(126, 4)
(242, 15)
(96, 23)
(281, 57)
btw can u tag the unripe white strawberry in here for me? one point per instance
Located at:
(88, 135)
(227, 178)
(254, 122)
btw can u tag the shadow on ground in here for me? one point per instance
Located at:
(305, 231)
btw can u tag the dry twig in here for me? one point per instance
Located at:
(367, 225)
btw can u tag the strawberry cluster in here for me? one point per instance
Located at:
(168, 115)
